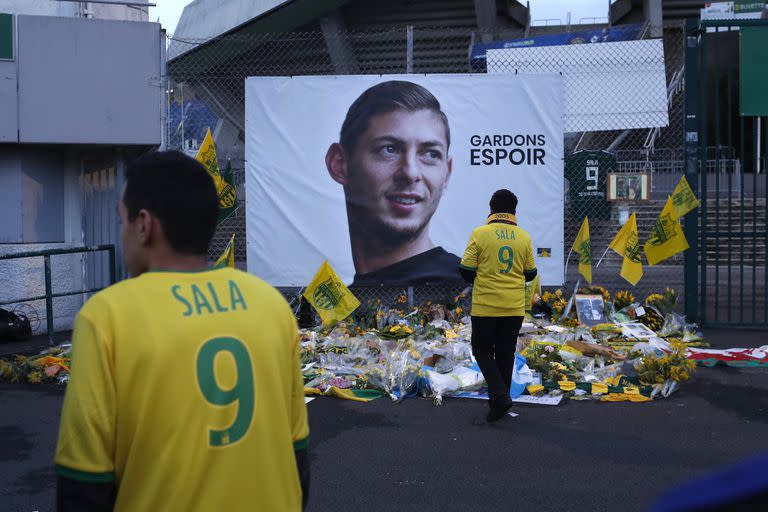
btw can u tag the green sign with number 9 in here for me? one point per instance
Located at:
(506, 257)
(241, 393)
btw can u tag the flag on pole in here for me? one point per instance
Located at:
(227, 258)
(329, 296)
(225, 189)
(627, 244)
(667, 237)
(683, 200)
(581, 246)
(532, 288)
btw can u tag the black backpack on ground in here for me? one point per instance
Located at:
(14, 326)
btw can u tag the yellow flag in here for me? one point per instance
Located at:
(581, 246)
(627, 244)
(667, 237)
(331, 299)
(531, 289)
(227, 258)
(206, 155)
(683, 200)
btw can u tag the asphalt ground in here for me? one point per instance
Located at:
(416, 456)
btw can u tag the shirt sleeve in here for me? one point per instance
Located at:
(469, 260)
(86, 444)
(299, 422)
(530, 263)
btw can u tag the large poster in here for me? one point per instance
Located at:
(386, 176)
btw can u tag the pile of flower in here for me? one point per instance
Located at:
(400, 351)
(51, 365)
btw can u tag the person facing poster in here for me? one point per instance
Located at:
(498, 261)
(393, 161)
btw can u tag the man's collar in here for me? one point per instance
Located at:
(504, 218)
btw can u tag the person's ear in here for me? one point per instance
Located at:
(336, 162)
(145, 225)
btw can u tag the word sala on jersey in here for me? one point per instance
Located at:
(207, 299)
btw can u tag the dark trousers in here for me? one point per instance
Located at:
(494, 340)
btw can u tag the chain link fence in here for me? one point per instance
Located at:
(206, 90)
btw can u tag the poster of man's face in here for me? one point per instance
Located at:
(396, 173)
(385, 177)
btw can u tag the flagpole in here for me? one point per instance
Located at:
(565, 271)
(298, 296)
(603, 256)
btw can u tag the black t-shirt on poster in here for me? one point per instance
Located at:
(434, 267)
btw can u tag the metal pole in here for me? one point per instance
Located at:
(163, 91)
(691, 142)
(48, 298)
(757, 147)
(409, 50)
(183, 140)
(112, 265)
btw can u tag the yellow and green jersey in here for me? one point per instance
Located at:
(186, 392)
(500, 252)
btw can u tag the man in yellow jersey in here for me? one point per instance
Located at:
(499, 261)
(186, 392)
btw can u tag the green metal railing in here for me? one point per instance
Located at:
(49, 295)
(726, 276)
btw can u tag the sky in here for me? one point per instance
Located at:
(169, 11)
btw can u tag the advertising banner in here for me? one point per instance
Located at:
(386, 176)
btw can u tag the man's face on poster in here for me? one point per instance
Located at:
(395, 174)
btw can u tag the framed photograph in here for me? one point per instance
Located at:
(629, 187)
(637, 330)
(590, 309)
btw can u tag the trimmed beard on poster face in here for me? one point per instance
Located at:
(386, 176)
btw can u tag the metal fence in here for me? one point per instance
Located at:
(26, 304)
(207, 91)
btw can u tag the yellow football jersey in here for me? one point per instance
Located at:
(499, 252)
(186, 391)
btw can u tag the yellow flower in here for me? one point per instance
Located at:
(459, 311)
(34, 377)
(654, 297)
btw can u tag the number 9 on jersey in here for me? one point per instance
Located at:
(241, 393)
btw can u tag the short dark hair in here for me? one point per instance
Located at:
(503, 201)
(177, 190)
(384, 98)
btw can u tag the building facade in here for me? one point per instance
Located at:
(81, 91)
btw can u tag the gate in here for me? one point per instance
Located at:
(100, 188)
(726, 129)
